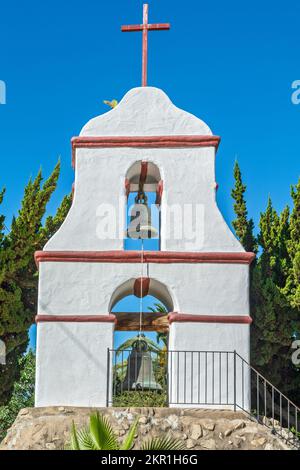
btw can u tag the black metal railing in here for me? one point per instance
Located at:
(269, 406)
(200, 378)
(220, 379)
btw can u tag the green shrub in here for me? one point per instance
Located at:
(140, 399)
(22, 396)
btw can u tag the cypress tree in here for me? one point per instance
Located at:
(272, 275)
(18, 273)
(270, 330)
(2, 218)
(293, 283)
(242, 225)
(273, 316)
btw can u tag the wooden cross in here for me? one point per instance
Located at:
(145, 27)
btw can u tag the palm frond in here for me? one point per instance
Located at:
(159, 308)
(100, 436)
(164, 443)
(129, 439)
(101, 433)
(153, 347)
(126, 345)
(74, 444)
(84, 440)
(162, 337)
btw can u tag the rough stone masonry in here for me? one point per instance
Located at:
(198, 429)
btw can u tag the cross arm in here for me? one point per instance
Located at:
(132, 27)
(140, 27)
(159, 26)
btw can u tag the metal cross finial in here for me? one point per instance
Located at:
(145, 27)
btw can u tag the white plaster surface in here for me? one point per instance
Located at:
(145, 111)
(209, 378)
(71, 366)
(188, 175)
(87, 288)
(100, 202)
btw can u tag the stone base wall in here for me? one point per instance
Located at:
(199, 429)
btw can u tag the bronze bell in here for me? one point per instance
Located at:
(140, 219)
(139, 374)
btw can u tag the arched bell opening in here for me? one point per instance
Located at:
(140, 342)
(141, 303)
(143, 188)
(141, 287)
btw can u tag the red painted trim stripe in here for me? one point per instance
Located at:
(172, 317)
(163, 257)
(76, 318)
(172, 141)
(188, 318)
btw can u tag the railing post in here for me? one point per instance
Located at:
(234, 379)
(168, 377)
(108, 377)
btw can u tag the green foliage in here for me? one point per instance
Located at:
(159, 308)
(295, 432)
(162, 443)
(274, 285)
(275, 318)
(243, 227)
(23, 393)
(112, 104)
(52, 224)
(293, 279)
(2, 218)
(162, 337)
(100, 436)
(18, 273)
(153, 347)
(273, 238)
(141, 399)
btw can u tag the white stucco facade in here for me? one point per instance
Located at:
(72, 363)
(200, 289)
(72, 356)
(188, 175)
(205, 377)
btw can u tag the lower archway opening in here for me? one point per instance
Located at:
(140, 362)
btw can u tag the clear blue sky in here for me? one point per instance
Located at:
(231, 63)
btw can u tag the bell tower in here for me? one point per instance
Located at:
(200, 269)
(203, 268)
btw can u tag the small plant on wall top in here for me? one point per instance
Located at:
(141, 398)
